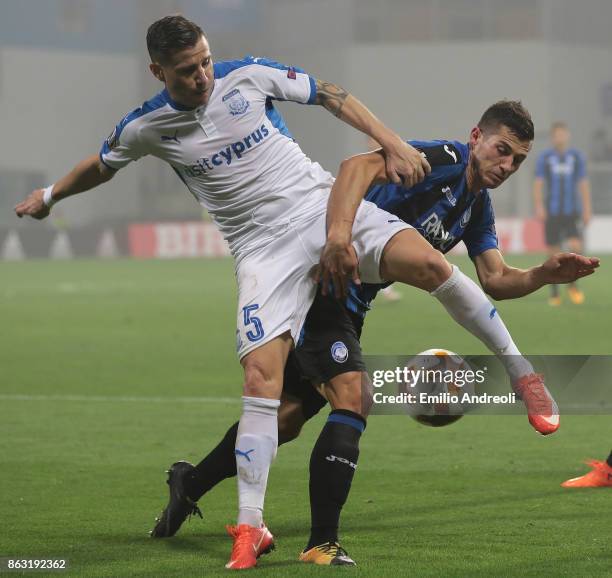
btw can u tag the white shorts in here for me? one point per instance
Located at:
(372, 230)
(275, 282)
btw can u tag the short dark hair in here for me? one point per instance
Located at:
(171, 34)
(511, 114)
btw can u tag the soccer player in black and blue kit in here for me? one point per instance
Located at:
(451, 205)
(562, 197)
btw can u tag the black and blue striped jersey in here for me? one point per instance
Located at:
(440, 208)
(562, 172)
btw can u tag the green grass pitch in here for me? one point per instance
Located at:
(103, 367)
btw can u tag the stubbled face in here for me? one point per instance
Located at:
(560, 138)
(188, 75)
(496, 155)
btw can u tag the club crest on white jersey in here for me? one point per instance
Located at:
(235, 102)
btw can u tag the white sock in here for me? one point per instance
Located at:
(469, 306)
(256, 445)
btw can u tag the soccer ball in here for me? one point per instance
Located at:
(438, 380)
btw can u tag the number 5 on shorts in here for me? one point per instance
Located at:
(258, 332)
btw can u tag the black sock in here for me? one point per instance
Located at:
(609, 460)
(332, 466)
(218, 465)
(554, 290)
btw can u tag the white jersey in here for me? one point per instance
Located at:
(235, 154)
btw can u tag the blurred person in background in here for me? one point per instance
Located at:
(562, 199)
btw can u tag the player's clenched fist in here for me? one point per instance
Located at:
(405, 164)
(34, 206)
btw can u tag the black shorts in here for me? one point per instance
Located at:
(329, 347)
(559, 228)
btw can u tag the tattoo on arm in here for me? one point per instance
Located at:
(331, 96)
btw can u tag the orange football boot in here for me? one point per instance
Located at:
(249, 544)
(542, 409)
(599, 477)
(576, 296)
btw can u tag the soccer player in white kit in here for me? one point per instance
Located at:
(218, 129)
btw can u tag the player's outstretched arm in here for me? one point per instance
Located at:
(89, 173)
(501, 281)
(338, 260)
(403, 162)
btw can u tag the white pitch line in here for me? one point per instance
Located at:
(118, 398)
(567, 408)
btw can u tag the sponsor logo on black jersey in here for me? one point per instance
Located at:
(434, 231)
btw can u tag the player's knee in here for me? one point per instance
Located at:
(259, 381)
(432, 270)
